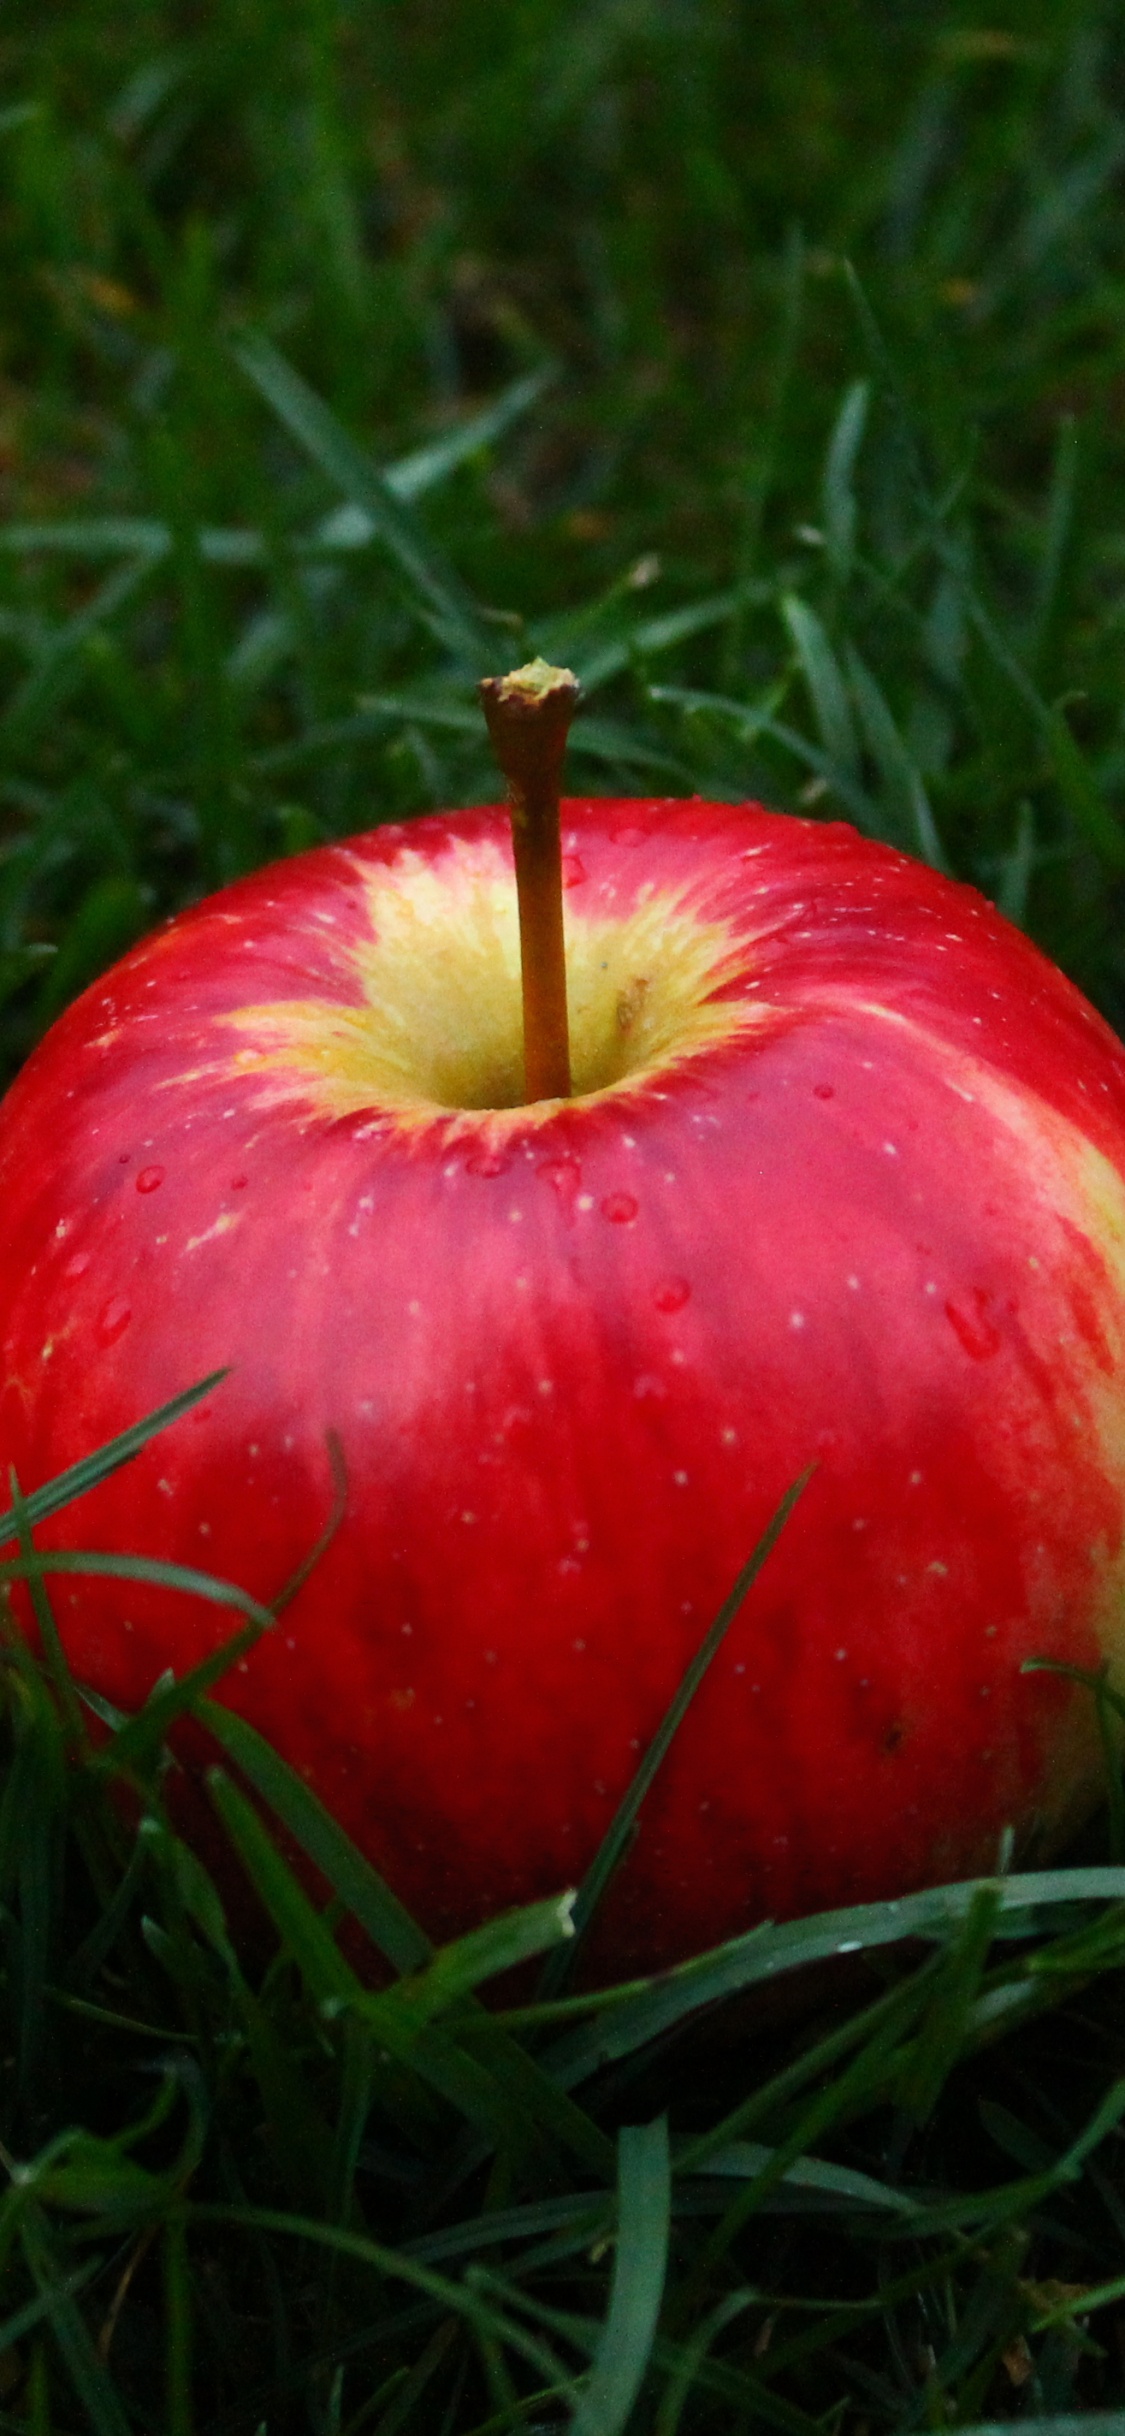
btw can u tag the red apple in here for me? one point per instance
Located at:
(843, 1180)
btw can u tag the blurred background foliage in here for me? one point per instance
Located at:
(765, 362)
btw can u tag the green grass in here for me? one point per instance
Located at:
(766, 365)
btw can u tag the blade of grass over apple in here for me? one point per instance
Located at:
(395, 1935)
(136, 1741)
(615, 1843)
(339, 1471)
(457, 1970)
(50, 1642)
(138, 1569)
(403, 2021)
(306, 1936)
(92, 1469)
(136, 1744)
(353, 1879)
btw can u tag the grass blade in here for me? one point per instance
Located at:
(770, 1952)
(93, 1469)
(360, 1888)
(828, 691)
(411, 477)
(457, 1970)
(624, 2350)
(460, 2300)
(615, 1843)
(70, 1707)
(840, 506)
(299, 1925)
(900, 773)
(89, 2376)
(398, 1938)
(1077, 784)
(316, 429)
(952, 2001)
(686, 2373)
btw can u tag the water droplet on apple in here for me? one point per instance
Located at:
(824, 1091)
(564, 1177)
(573, 870)
(112, 1320)
(671, 1294)
(487, 1163)
(77, 1265)
(239, 1183)
(150, 1179)
(620, 1208)
(630, 834)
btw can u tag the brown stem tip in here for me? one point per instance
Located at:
(528, 715)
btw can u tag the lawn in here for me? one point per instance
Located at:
(765, 366)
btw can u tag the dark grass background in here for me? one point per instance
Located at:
(766, 363)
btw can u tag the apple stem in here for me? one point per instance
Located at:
(528, 714)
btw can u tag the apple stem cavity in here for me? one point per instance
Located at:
(529, 714)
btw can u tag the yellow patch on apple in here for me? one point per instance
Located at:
(440, 1024)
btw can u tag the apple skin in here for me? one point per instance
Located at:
(843, 1183)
